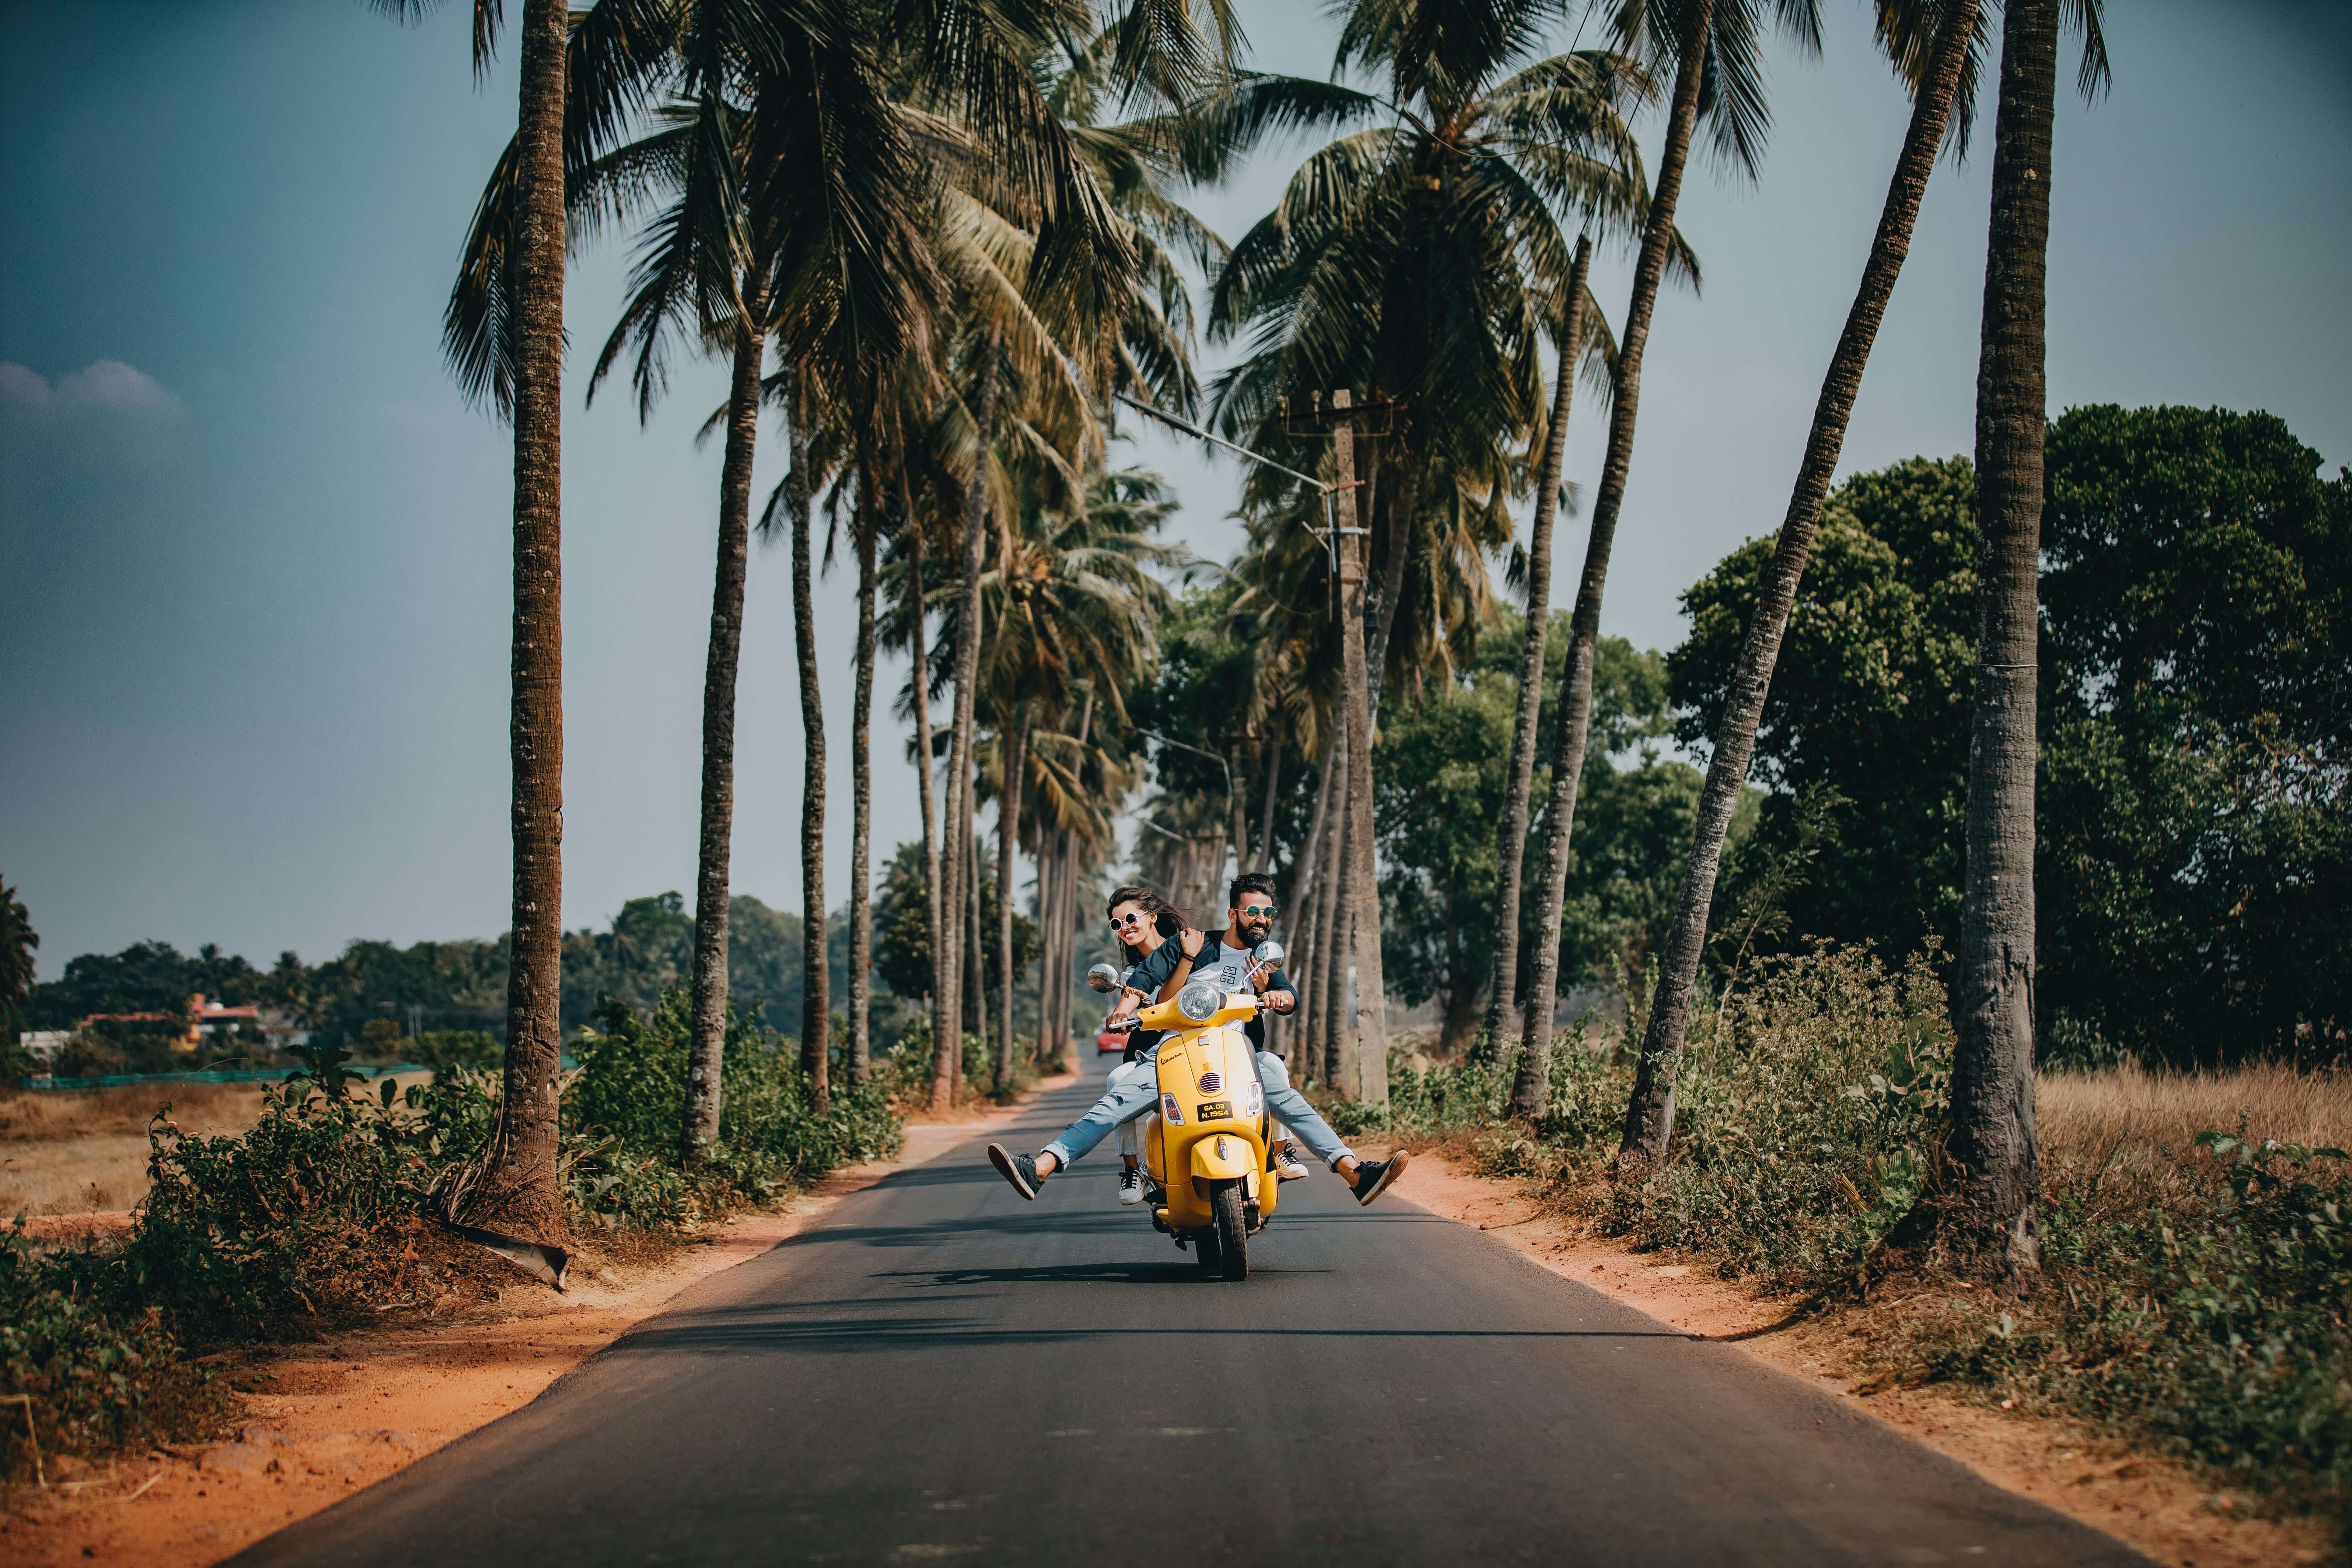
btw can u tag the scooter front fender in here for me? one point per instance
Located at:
(1223, 1157)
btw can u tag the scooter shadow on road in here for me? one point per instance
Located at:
(1114, 1273)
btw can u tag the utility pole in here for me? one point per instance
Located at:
(1371, 1063)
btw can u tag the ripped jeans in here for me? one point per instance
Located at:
(1134, 1089)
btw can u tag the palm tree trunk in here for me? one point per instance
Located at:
(1994, 1146)
(1237, 829)
(1266, 812)
(1049, 943)
(707, 1053)
(861, 790)
(1511, 837)
(1307, 888)
(940, 1088)
(521, 1191)
(1369, 1080)
(1008, 842)
(1331, 914)
(1531, 1089)
(816, 1003)
(1650, 1115)
(960, 803)
(1066, 882)
(976, 952)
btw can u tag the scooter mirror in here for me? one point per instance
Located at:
(1268, 952)
(1103, 977)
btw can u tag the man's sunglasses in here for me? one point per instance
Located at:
(1252, 912)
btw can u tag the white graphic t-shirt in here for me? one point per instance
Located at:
(1226, 968)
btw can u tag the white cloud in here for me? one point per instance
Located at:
(107, 407)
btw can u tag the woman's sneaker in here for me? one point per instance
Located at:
(1285, 1162)
(1020, 1170)
(1131, 1186)
(1374, 1177)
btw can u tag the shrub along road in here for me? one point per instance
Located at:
(942, 1371)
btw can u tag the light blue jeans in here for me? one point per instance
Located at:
(1133, 1093)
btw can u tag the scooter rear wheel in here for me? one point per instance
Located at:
(1233, 1230)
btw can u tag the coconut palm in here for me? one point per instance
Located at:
(725, 260)
(1993, 1147)
(1061, 301)
(1951, 28)
(576, 86)
(1714, 46)
(1408, 257)
(1069, 605)
(1581, 332)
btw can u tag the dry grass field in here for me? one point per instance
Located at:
(2132, 1131)
(84, 1151)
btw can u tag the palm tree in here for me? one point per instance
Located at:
(574, 89)
(1953, 26)
(1713, 45)
(1408, 258)
(1993, 1147)
(1070, 606)
(1511, 835)
(714, 257)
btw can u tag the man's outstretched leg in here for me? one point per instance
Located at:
(1367, 1179)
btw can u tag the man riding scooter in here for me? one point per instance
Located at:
(1225, 959)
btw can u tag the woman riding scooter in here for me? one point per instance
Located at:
(1140, 919)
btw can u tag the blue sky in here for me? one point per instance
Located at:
(253, 546)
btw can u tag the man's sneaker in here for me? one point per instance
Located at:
(1020, 1170)
(1373, 1177)
(1131, 1186)
(1286, 1161)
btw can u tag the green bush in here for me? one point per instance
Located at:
(1811, 1104)
(318, 1215)
(2218, 1328)
(104, 1373)
(628, 1107)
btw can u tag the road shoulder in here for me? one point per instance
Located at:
(323, 1420)
(2154, 1505)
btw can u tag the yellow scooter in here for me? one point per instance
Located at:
(1206, 1147)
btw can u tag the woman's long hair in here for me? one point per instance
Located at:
(1165, 916)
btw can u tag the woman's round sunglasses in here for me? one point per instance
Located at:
(1128, 919)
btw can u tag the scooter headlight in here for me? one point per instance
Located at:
(1169, 1109)
(1199, 1002)
(1254, 1100)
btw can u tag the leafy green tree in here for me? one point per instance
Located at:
(17, 941)
(902, 958)
(2196, 866)
(1447, 776)
(2192, 821)
(1869, 700)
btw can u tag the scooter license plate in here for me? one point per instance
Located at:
(1215, 1110)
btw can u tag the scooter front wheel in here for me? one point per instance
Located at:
(1232, 1232)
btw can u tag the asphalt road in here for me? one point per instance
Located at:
(944, 1372)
